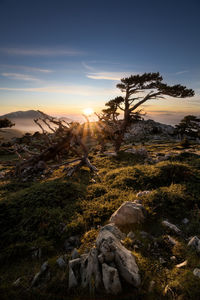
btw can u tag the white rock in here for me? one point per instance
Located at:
(171, 226)
(61, 262)
(185, 221)
(124, 259)
(196, 272)
(143, 193)
(111, 280)
(128, 213)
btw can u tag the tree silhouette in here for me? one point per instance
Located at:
(5, 123)
(189, 126)
(137, 90)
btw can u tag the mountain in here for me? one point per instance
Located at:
(24, 120)
(28, 114)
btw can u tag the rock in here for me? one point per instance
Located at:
(143, 193)
(182, 265)
(36, 252)
(71, 243)
(111, 280)
(114, 230)
(123, 259)
(131, 235)
(162, 261)
(74, 272)
(144, 234)
(75, 254)
(151, 286)
(196, 272)
(110, 154)
(171, 240)
(72, 280)
(128, 213)
(194, 242)
(40, 275)
(61, 262)
(173, 258)
(90, 271)
(101, 258)
(140, 151)
(17, 282)
(171, 226)
(185, 221)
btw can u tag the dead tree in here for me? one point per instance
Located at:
(62, 138)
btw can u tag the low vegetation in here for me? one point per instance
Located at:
(43, 213)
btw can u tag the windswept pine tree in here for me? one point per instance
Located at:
(137, 89)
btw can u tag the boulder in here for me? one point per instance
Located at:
(111, 280)
(123, 258)
(41, 275)
(90, 271)
(128, 213)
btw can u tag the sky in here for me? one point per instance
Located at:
(63, 56)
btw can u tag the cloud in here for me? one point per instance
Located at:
(68, 90)
(41, 52)
(108, 75)
(26, 68)
(18, 76)
(181, 72)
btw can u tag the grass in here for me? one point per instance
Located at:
(45, 212)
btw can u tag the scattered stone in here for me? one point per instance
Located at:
(17, 282)
(111, 280)
(131, 235)
(185, 221)
(71, 243)
(75, 254)
(61, 262)
(143, 193)
(151, 285)
(144, 234)
(40, 275)
(196, 272)
(194, 242)
(171, 226)
(162, 261)
(128, 213)
(110, 154)
(173, 258)
(171, 240)
(182, 265)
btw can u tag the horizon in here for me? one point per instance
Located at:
(64, 57)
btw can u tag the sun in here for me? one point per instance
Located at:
(88, 111)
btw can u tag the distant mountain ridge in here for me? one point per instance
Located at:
(28, 114)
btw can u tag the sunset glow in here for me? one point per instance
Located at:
(88, 111)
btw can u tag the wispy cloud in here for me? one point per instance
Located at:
(18, 76)
(181, 72)
(69, 90)
(25, 68)
(41, 51)
(108, 75)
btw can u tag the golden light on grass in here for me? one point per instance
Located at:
(88, 111)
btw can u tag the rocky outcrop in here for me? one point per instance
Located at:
(105, 265)
(128, 213)
(171, 226)
(149, 129)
